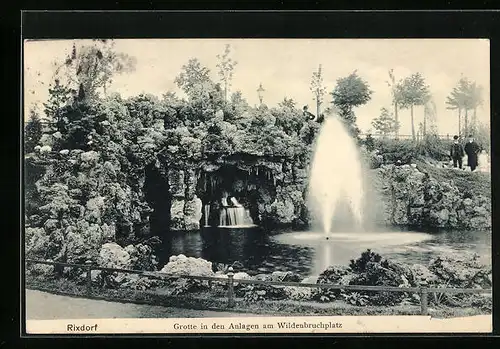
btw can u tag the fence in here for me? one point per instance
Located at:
(404, 136)
(230, 281)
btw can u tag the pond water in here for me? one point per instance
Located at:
(309, 253)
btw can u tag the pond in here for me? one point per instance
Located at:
(308, 253)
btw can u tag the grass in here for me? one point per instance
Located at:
(478, 183)
(207, 301)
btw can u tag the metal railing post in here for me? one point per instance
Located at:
(89, 277)
(230, 288)
(423, 301)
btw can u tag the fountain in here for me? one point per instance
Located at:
(337, 203)
(336, 178)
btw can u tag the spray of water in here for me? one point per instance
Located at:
(336, 178)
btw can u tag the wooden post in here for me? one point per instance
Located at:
(89, 277)
(230, 288)
(423, 301)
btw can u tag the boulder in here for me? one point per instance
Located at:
(176, 182)
(193, 213)
(142, 257)
(182, 265)
(177, 221)
(113, 255)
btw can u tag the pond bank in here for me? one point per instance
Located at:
(203, 301)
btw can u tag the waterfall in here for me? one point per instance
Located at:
(235, 215)
(207, 214)
(336, 178)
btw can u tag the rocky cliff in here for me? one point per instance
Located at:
(274, 190)
(411, 196)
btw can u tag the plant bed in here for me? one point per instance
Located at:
(207, 300)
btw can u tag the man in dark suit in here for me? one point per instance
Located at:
(471, 149)
(456, 152)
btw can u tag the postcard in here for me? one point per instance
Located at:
(229, 186)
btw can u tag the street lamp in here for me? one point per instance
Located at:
(260, 91)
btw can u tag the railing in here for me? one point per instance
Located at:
(404, 136)
(230, 281)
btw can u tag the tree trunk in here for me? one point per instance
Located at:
(459, 122)
(225, 92)
(318, 105)
(466, 125)
(424, 131)
(474, 119)
(396, 119)
(412, 124)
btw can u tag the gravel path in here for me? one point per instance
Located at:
(47, 306)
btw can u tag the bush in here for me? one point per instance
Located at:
(393, 150)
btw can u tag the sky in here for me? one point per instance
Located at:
(285, 67)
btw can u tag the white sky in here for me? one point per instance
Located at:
(285, 66)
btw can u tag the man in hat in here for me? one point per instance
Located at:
(456, 152)
(471, 149)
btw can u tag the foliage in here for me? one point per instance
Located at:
(318, 89)
(88, 69)
(350, 92)
(385, 123)
(465, 96)
(32, 132)
(369, 142)
(433, 147)
(396, 93)
(226, 66)
(413, 92)
(193, 75)
(359, 264)
(254, 293)
(482, 135)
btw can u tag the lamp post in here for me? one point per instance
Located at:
(260, 91)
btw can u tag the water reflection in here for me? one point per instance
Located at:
(259, 251)
(253, 248)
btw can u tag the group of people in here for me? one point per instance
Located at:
(470, 148)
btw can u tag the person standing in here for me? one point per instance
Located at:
(456, 152)
(471, 149)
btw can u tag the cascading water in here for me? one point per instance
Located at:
(235, 215)
(207, 215)
(232, 214)
(336, 178)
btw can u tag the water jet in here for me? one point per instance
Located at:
(336, 179)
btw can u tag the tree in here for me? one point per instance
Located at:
(396, 96)
(414, 92)
(287, 103)
(318, 89)
(59, 96)
(385, 123)
(465, 96)
(32, 132)
(475, 100)
(90, 68)
(226, 66)
(430, 115)
(454, 102)
(351, 91)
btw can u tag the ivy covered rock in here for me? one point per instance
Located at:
(411, 197)
(113, 255)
